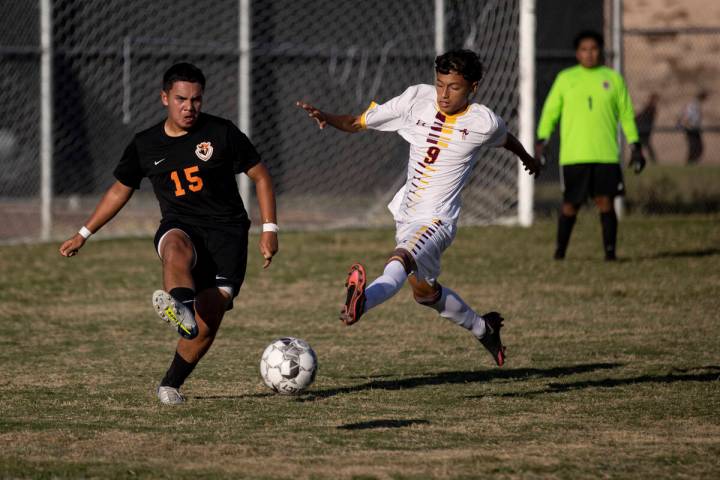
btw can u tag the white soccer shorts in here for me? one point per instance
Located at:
(426, 241)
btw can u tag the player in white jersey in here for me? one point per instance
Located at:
(445, 132)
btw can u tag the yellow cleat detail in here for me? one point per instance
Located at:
(175, 314)
(171, 316)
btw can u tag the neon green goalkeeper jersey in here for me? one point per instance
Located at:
(589, 102)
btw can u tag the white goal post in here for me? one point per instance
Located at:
(526, 122)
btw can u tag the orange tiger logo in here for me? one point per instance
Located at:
(204, 151)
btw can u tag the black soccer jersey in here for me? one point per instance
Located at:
(193, 176)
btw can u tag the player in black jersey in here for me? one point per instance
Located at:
(191, 159)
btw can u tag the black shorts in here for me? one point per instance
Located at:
(586, 180)
(220, 253)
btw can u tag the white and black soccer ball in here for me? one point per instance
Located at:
(288, 365)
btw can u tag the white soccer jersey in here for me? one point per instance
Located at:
(443, 150)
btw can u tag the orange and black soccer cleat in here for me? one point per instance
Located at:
(355, 300)
(491, 340)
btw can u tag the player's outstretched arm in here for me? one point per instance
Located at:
(112, 202)
(531, 164)
(346, 123)
(266, 201)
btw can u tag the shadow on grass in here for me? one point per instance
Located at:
(384, 423)
(457, 377)
(683, 375)
(705, 252)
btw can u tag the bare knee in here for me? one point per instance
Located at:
(569, 209)
(405, 258)
(424, 293)
(604, 204)
(177, 249)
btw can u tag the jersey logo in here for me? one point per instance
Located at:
(204, 151)
(606, 85)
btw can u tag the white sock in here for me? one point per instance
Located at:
(452, 307)
(386, 285)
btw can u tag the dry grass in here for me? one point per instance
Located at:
(613, 371)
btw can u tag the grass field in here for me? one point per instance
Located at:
(660, 189)
(613, 368)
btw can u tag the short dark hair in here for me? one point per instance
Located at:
(183, 72)
(464, 62)
(597, 36)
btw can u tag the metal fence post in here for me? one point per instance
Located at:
(46, 118)
(617, 45)
(439, 27)
(244, 94)
(526, 108)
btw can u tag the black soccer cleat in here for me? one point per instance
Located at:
(491, 340)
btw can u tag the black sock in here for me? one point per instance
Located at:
(184, 295)
(177, 373)
(565, 228)
(609, 223)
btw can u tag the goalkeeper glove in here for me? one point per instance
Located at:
(637, 160)
(540, 152)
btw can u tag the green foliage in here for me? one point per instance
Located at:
(613, 368)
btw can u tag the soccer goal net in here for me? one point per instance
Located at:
(79, 78)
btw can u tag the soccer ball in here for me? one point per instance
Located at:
(288, 365)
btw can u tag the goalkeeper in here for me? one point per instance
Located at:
(589, 99)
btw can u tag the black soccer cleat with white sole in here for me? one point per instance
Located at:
(491, 340)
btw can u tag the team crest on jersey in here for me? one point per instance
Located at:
(606, 85)
(204, 151)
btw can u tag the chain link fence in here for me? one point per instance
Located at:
(20, 107)
(109, 57)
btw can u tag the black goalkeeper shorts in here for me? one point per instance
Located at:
(220, 253)
(587, 180)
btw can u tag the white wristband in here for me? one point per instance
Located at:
(84, 232)
(270, 227)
